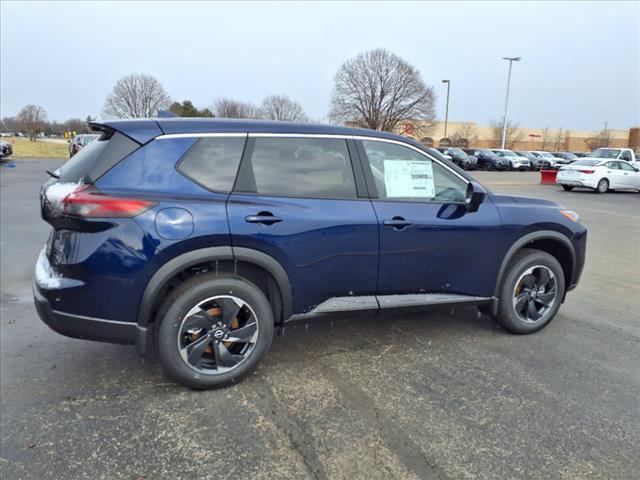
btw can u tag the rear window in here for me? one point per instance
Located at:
(303, 167)
(213, 162)
(96, 158)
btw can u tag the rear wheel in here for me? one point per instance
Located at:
(568, 188)
(213, 331)
(486, 166)
(603, 186)
(531, 293)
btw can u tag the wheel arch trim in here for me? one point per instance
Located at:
(522, 242)
(179, 263)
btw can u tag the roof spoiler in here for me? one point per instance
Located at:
(100, 127)
(138, 130)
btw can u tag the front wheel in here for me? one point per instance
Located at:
(486, 166)
(531, 292)
(213, 331)
(567, 188)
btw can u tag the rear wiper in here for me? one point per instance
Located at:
(52, 174)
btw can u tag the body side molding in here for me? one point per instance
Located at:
(383, 302)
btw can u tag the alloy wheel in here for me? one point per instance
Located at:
(218, 334)
(535, 294)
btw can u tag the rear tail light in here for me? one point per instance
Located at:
(586, 171)
(87, 202)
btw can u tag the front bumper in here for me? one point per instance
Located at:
(78, 326)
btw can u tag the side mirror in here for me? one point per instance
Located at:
(474, 197)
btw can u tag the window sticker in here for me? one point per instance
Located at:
(409, 178)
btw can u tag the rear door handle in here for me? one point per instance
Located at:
(265, 218)
(397, 223)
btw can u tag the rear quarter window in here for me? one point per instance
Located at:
(213, 162)
(97, 158)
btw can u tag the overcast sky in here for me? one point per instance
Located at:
(580, 66)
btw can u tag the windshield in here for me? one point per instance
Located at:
(546, 154)
(605, 153)
(457, 151)
(587, 163)
(525, 154)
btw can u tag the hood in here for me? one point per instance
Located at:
(501, 199)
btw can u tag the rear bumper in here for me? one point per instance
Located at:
(78, 326)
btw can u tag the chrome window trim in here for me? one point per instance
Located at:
(311, 135)
(169, 136)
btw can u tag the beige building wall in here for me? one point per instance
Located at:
(483, 136)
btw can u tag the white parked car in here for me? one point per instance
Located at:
(516, 161)
(601, 175)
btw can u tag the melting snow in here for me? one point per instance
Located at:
(45, 276)
(57, 192)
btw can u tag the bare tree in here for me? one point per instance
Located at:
(136, 96)
(465, 136)
(603, 139)
(281, 107)
(377, 90)
(545, 137)
(32, 119)
(558, 139)
(228, 108)
(514, 133)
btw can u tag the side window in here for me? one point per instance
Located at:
(401, 173)
(303, 167)
(626, 156)
(613, 165)
(213, 162)
(626, 166)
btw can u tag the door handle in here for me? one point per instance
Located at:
(264, 218)
(398, 223)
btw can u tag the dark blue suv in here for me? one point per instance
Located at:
(199, 237)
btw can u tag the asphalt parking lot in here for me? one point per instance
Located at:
(443, 394)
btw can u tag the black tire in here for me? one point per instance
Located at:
(523, 261)
(603, 186)
(567, 188)
(486, 166)
(191, 294)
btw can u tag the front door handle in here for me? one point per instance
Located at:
(398, 223)
(264, 218)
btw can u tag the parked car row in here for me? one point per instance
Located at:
(504, 159)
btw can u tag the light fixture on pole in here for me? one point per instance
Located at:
(506, 101)
(446, 111)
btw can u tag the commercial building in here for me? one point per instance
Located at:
(469, 134)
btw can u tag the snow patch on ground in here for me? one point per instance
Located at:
(45, 276)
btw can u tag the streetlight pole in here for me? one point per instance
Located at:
(446, 111)
(506, 101)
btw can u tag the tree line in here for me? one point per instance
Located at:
(376, 89)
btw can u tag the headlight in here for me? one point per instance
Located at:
(571, 215)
